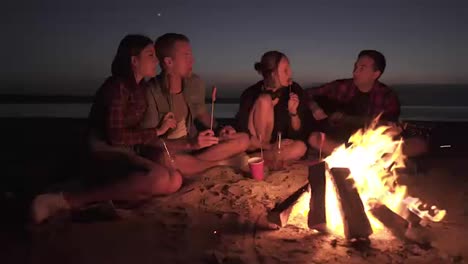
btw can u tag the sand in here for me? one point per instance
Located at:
(219, 218)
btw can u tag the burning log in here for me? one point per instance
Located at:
(317, 179)
(413, 219)
(394, 222)
(280, 214)
(406, 229)
(355, 221)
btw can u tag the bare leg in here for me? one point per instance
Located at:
(150, 179)
(261, 121)
(191, 164)
(235, 144)
(327, 146)
(294, 150)
(138, 186)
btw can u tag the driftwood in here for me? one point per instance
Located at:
(280, 214)
(317, 216)
(355, 221)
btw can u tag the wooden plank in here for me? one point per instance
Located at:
(280, 214)
(413, 219)
(391, 220)
(355, 221)
(317, 180)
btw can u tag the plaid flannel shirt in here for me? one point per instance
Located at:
(117, 111)
(382, 99)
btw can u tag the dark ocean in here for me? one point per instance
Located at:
(431, 102)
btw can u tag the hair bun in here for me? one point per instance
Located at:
(258, 67)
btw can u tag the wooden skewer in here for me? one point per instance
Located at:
(167, 151)
(213, 99)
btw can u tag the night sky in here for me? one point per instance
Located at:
(66, 47)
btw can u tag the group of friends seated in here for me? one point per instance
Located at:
(149, 132)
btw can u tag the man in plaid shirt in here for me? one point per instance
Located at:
(343, 106)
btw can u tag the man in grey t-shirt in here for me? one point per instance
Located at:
(176, 98)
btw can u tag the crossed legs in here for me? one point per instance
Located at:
(261, 122)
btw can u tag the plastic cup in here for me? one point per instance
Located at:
(256, 168)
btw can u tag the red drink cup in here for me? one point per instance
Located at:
(256, 168)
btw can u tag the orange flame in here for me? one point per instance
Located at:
(372, 158)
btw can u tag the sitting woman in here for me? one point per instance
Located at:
(273, 106)
(118, 171)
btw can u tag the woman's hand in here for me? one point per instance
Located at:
(293, 103)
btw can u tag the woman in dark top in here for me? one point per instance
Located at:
(115, 138)
(272, 106)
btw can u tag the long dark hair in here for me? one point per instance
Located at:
(130, 45)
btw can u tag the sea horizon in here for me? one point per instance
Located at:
(422, 102)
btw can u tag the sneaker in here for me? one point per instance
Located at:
(47, 205)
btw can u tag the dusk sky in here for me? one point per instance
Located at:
(66, 47)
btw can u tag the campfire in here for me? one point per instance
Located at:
(355, 192)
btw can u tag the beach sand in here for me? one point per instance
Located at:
(219, 218)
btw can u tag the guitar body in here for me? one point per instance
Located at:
(338, 131)
(353, 122)
(330, 106)
(350, 117)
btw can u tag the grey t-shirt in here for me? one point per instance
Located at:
(159, 101)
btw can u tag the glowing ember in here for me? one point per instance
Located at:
(372, 158)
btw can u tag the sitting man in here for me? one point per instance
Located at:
(344, 106)
(176, 98)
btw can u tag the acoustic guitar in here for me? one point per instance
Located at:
(350, 119)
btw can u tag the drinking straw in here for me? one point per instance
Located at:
(279, 140)
(261, 146)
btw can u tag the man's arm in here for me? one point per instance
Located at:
(327, 90)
